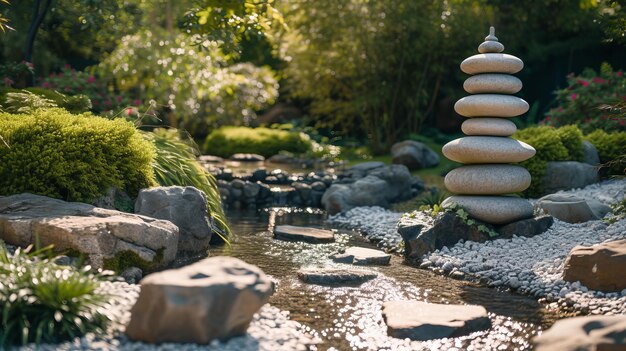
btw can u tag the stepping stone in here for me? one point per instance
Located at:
(492, 63)
(362, 256)
(417, 320)
(493, 209)
(589, 333)
(487, 149)
(306, 234)
(491, 105)
(599, 267)
(488, 126)
(324, 276)
(487, 179)
(492, 83)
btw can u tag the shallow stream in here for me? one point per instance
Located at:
(349, 317)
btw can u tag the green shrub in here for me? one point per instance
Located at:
(582, 101)
(552, 144)
(175, 163)
(612, 150)
(43, 302)
(227, 141)
(72, 157)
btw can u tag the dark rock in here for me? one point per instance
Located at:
(247, 158)
(414, 155)
(318, 186)
(572, 209)
(237, 184)
(271, 180)
(417, 320)
(599, 267)
(251, 190)
(63, 260)
(564, 175)
(259, 174)
(312, 235)
(526, 227)
(282, 159)
(590, 152)
(304, 190)
(366, 166)
(362, 256)
(236, 193)
(324, 276)
(589, 333)
(132, 275)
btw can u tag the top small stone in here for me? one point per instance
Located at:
(491, 44)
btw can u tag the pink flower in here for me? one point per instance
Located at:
(67, 89)
(137, 102)
(45, 85)
(91, 79)
(67, 66)
(7, 81)
(119, 99)
(573, 96)
(598, 80)
(129, 111)
(619, 73)
(560, 109)
(547, 118)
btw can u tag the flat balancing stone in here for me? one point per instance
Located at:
(491, 179)
(488, 126)
(492, 83)
(491, 105)
(487, 149)
(492, 209)
(306, 234)
(492, 63)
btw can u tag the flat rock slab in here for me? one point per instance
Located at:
(572, 209)
(590, 333)
(362, 256)
(417, 320)
(306, 234)
(323, 276)
(599, 267)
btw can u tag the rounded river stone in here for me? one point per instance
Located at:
(489, 126)
(492, 83)
(487, 179)
(493, 209)
(492, 63)
(490, 46)
(487, 149)
(491, 105)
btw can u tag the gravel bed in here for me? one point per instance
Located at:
(532, 266)
(375, 223)
(271, 329)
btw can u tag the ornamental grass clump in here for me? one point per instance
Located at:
(175, 163)
(43, 302)
(266, 142)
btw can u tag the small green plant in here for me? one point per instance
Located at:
(72, 157)
(42, 302)
(618, 212)
(465, 217)
(582, 100)
(227, 141)
(433, 198)
(176, 164)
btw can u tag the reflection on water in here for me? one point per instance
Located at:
(349, 318)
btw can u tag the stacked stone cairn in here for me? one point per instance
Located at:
(485, 184)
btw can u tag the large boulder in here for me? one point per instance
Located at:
(565, 175)
(423, 234)
(215, 298)
(414, 155)
(107, 238)
(368, 184)
(571, 208)
(599, 267)
(417, 320)
(589, 333)
(184, 206)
